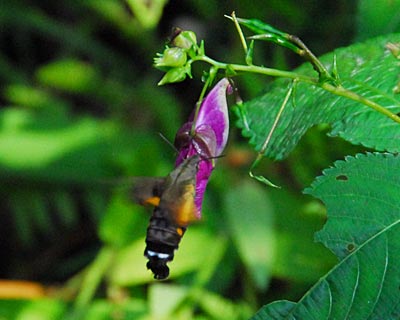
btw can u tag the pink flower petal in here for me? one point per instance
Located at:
(210, 137)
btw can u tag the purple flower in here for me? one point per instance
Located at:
(211, 129)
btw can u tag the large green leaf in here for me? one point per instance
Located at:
(363, 227)
(368, 69)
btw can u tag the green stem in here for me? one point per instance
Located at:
(308, 55)
(210, 79)
(240, 32)
(274, 125)
(260, 154)
(337, 90)
(340, 91)
(255, 69)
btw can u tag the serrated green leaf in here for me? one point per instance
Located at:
(275, 310)
(368, 69)
(363, 227)
(361, 194)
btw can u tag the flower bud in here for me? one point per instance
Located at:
(185, 40)
(171, 57)
(174, 75)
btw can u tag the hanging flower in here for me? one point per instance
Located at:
(178, 197)
(207, 136)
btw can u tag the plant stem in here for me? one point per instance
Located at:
(256, 69)
(260, 154)
(274, 125)
(340, 91)
(337, 90)
(240, 32)
(309, 56)
(210, 79)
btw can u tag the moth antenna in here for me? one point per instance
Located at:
(168, 142)
(215, 157)
(212, 158)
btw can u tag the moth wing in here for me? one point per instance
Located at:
(147, 190)
(179, 202)
(186, 212)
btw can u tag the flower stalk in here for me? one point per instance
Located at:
(195, 53)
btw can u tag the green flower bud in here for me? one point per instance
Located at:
(184, 39)
(174, 75)
(171, 57)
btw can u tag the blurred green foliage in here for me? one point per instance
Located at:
(80, 107)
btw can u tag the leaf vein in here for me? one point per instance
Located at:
(384, 273)
(356, 284)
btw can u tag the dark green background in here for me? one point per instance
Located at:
(80, 107)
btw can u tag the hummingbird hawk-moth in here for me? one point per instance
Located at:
(177, 198)
(173, 198)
